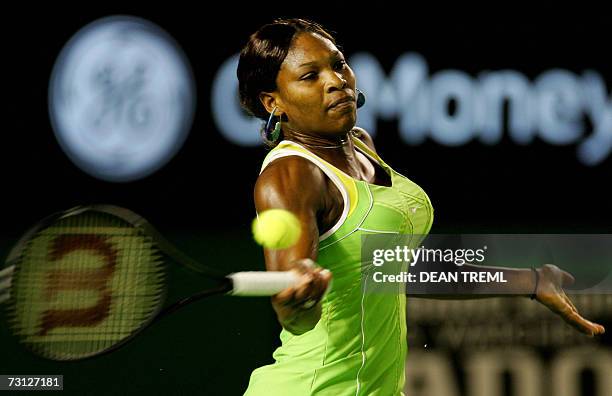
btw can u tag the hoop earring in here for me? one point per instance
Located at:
(273, 134)
(361, 99)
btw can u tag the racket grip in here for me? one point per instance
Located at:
(261, 283)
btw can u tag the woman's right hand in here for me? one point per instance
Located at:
(299, 307)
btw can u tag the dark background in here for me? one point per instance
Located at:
(202, 199)
(495, 181)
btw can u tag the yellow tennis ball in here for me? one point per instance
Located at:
(276, 229)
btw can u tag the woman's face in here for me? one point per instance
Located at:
(316, 87)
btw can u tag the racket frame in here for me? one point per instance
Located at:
(165, 247)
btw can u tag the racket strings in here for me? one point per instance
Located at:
(93, 280)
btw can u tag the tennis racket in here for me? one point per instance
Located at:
(85, 281)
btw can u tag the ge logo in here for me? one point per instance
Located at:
(121, 98)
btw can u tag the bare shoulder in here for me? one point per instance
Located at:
(290, 182)
(365, 137)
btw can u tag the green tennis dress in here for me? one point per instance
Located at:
(359, 345)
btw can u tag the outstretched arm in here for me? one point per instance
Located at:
(546, 287)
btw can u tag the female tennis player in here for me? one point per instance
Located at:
(340, 341)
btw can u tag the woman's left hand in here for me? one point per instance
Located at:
(550, 293)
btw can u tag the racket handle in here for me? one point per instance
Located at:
(261, 283)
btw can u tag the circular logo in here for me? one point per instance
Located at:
(121, 98)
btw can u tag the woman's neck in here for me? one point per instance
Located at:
(336, 149)
(314, 142)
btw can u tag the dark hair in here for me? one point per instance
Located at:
(262, 56)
